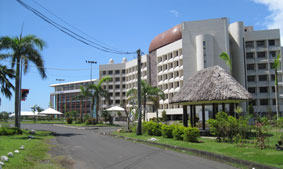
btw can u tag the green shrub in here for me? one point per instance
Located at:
(90, 121)
(152, 128)
(178, 132)
(191, 134)
(280, 122)
(167, 131)
(69, 120)
(10, 131)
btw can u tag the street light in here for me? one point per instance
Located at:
(91, 62)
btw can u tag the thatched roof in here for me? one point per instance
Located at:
(211, 85)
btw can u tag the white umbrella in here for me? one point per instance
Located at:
(115, 108)
(28, 113)
(50, 111)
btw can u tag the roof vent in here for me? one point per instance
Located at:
(111, 61)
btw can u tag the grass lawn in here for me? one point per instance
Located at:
(44, 122)
(268, 156)
(97, 125)
(33, 156)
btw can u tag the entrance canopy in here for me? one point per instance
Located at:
(50, 111)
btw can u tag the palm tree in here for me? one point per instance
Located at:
(145, 90)
(84, 93)
(25, 49)
(276, 66)
(97, 93)
(6, 85)
(155, 95)
(227, 60)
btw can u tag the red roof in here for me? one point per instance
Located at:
(166, 37)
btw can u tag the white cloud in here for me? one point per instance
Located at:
(275, 20)
(175, 13)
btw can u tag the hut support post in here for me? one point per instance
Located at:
(203, 117)
(191, 115)
(223, 107)
(185, 116)
(213, 110)
(231, 106)
(194, 116)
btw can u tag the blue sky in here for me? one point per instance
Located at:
(123, 24)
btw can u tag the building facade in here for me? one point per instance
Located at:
(178, 53)
(65, 97)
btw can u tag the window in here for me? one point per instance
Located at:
(263, 102)
(272, 54)
(117, 94)
(253, 102)
(273, 102)
(262, 66)
(110, 72)
(250, 55)
(123, 71)
(271, 42)
(272, 77)
(117, 101)
(117, 79)
(104, 72)
(110, 87)
(249, 44)
(260, 54)
(263, 89)
(117, 72)
(252, 89)
(260, 43)
(273, 89)
(251, 66)
(251, 78)
(117, 86)
(262, 77)
(123, 94)
(123, 79)
(110, 94)
(123, 86)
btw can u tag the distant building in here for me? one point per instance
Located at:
(64, 98)
(181, 51)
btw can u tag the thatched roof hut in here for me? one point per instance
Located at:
(211, 85)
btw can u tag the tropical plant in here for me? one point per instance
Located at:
(98, 92)
(164, 116)
(145, 93)
(6, 85)
(155, 94)
(25, 49)
(124, 106)
(227, 60)
(84, 93)
(4, 116)
(276, 66)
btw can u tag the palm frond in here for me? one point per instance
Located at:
(227, 59)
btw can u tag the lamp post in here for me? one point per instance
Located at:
(91, 62)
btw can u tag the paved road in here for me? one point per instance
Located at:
(91, 150)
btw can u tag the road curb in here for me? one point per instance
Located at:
(79, 128)
(202, 153)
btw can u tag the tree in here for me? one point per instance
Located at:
(6, 85)
(25, 49)
(276, 66)
(124, 106)
(227, 60)
(84, 93)
(98, 92)
(145, 89)
(155, 94)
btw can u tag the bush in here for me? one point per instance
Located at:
(191, 134)
(167, 131)
(10, 131)
(90, 121)
(178, 132)
(152, 128)
(69, 120)
(280, 122)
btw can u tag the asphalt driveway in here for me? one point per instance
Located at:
(88, 149)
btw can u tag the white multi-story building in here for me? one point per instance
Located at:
(178, 53)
